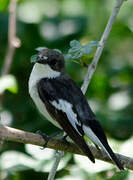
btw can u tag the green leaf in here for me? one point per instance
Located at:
(3, 4)
(18, 161)
(86, 50)
(83, 163)
(122, 175)
(77, 55)
(93, 43)
(72, 50)
(76, 44)
(45, 160)
(75, 51)
(33, 58)
(81, 53)
(8, 82)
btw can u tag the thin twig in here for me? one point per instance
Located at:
(58, 156)
(13, 41)
(16, 135)
(93, 65)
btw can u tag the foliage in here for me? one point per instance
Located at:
(79, 53)
(74, 27)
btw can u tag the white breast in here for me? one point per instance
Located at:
(40, 71)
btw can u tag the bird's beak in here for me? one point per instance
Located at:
(39, 59)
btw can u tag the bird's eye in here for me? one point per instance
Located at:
(53, 61)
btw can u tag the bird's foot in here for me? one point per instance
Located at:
(65, 140)
(47, 138)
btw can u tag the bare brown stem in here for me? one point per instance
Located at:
(13, 41)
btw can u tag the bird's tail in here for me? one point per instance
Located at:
(113, 156)
(102, 142)
(84, 147)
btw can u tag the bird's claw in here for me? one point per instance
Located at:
(65, 140)
(47, 138)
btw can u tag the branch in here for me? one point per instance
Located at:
(15, 135)
(13, 41)
(93, 65)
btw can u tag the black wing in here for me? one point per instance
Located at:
(50, 90)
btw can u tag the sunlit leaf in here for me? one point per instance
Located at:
(8, 82)
(3, 4)
(81, 53)
(6, 117)
(121, 175)
(13, 161)
(45, 158)
(84, 163)
(88, 48)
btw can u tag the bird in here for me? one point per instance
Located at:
(59, 99)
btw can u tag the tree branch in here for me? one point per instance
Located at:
(15, 135)
(93, 65)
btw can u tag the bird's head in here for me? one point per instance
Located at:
(53, 58)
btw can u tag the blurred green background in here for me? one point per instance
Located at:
(54, 24)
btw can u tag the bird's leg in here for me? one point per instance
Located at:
(64, 139)
(47, 138)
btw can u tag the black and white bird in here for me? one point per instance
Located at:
(61, 101)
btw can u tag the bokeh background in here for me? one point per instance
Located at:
(54, 24)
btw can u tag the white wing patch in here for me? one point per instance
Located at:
(66, 107)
